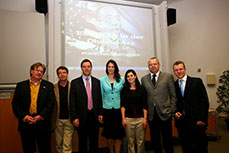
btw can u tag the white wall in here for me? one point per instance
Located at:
(18, 5)
(22, 40)
(201, 39)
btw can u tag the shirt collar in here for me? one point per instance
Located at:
(30, 81)
(84, 77)
(61, 85)
(157, 74)
(184, 78)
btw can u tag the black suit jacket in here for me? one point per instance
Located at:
(79, 102)
(195, 102)
(45, 102)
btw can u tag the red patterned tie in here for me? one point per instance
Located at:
(89, 97)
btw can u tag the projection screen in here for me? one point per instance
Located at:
(99, 31)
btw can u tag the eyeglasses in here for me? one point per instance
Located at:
(39, 71)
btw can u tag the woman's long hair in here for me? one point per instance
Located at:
(127, 84)
(116, 71)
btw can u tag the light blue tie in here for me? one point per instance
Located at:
(182, 87)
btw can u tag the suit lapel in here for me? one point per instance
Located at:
(92, 85)
(84, 90)
(69, 87)
(149, 81)
(108, 82)
(56, 88)
(187, 85)
(158, 79)
(83, 86)
(178, 89)
(41, 90)
(27, 89)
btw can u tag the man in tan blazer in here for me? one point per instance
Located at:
(161, 97)
(61, 115)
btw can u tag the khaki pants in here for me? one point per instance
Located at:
(63, 134)
(135, 133)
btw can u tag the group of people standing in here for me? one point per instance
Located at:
(124, 107)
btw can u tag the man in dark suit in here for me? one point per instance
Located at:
(86, 107)
(161, 97)
(32, 103)
(192, 110)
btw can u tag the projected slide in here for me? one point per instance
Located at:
(103, 31)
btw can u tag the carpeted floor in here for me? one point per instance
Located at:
(220, 145)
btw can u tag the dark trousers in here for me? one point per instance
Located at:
(33, 135)
(89, 132)
(161, 129)
(193, 140)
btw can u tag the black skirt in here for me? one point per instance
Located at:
(113, 128)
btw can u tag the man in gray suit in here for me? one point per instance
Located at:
(161, 97)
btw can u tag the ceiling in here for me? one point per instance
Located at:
(153, 1)
(148, 1)
(29, 5)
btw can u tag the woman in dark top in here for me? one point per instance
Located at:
(134, 112)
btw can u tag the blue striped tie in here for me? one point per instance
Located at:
(182, 87)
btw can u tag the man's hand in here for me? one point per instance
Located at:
(124, 123)
(29, 119)
(200, 123)
(144, 123)
(36, 119)
(76, 122)
(100, 118)
(178, 115)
